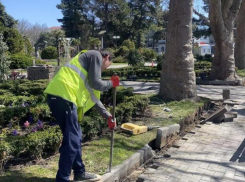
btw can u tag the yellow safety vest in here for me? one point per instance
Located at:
(71, 83)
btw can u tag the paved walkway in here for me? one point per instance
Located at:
(209, 91)
(211, 152)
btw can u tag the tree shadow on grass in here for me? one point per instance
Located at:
(17, 176)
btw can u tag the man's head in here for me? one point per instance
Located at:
(106, 59)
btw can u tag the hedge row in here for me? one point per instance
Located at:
(33, 145)
(24, 87)
(18, 101)
(141, 72)
(22, 113)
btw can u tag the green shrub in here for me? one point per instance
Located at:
(119, 59)
(49, 53)
(129, 44)
(135, 58)
(124, 112)
(19, 61)
(27, 87)
(5, 150)
(122, 51)
(159, 66)
(148, 54)
(139, 102)
(160, 58)
(122, 94)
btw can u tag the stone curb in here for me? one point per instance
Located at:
(165, 134)
(128, 166)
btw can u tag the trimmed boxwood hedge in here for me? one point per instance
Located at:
(34, 144)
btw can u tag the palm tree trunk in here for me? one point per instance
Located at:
(222, 15)
(178, 79)
(240, 39)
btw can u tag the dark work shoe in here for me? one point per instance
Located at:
(86, 177)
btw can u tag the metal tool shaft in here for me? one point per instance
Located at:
(112, 131)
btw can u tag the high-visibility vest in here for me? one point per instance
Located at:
(71, 84)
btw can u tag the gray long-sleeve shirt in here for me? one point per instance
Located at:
(91, 61)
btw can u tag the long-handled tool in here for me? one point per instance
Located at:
(114, 90)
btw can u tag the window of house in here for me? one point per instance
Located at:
(203, 50)
(156, 49)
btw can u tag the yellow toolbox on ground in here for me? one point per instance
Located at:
(133, 128)
(136, 129)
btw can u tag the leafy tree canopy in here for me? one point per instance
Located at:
(5, 19)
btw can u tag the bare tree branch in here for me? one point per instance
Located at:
(204, 18)
(235, 8)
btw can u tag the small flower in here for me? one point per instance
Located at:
(30, 119)
(40, 126)
(10, 125)
(34, 129)
(26, 124)
(26, 104)
(23, 105)
(15, 133)
(39, 122)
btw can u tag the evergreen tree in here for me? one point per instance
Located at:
(4, 59)
(14, 40)
(115, 18)
(5, 19)
(75, 20)
(143, 13)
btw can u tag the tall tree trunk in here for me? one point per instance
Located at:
(178, 79)
(222, 15)
(240, 38)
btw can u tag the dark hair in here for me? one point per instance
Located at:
(106, 52)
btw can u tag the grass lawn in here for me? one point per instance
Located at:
(126, 64)
(241, 73)
(96, 153)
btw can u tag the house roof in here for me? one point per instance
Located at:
(55, 28)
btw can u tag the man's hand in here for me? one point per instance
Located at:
(115, 80)
(111, 123)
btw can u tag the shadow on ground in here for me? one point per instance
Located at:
(16, 176)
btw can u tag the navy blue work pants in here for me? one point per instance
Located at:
(65, 113)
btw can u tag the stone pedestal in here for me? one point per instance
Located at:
(41, 72)
(226, 94)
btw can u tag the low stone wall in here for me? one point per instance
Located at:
(41, 72)
(167, 134)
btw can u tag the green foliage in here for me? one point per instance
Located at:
(139, 71)
(135, 58)
(160, 58)
(5, 19)
(140, 104)
(90, 127)
(75, 21)
(25, 87)
(124, 113)
(14, 40)
(28, 50)
(34, 145)
(20, 61)
(94, 42)
(122, 51)
(49, 53)
(122, 93)
(119, 59)
(17, 101)
(148, 54)
(129, 44)
(159, 66)
(4, 59)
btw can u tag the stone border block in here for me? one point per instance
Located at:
(165, 134)
(128, 166)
